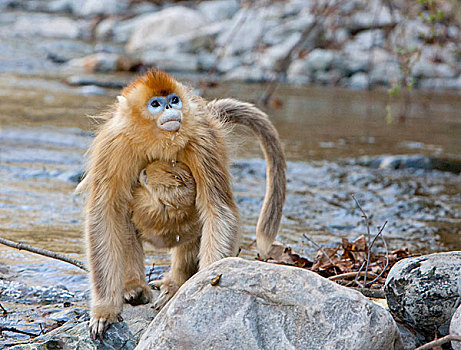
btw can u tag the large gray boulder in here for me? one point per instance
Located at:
(164, 25)
(455, 328)
(257, 305)
(423, 291)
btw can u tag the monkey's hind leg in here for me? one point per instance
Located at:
(136, 291)
(184, 264)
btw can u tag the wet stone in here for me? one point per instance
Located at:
(268, 306)
(423, 291)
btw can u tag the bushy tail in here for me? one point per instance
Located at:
(234, 111)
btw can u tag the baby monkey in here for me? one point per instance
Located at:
(165, 215)
(163, 204)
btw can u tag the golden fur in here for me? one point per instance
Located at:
(208, 230)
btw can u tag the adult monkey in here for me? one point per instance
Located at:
(157, 118)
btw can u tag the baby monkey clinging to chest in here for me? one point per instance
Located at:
(163, 205)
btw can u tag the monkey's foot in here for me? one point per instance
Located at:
(168, 289)
(137, 293)
(101, 318)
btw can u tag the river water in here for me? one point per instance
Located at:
(331, 137)
(46, 130)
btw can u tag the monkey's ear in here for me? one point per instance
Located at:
(122, 101)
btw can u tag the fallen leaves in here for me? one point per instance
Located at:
(342, 264)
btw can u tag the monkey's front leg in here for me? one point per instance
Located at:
(106, 244)
(137, 291)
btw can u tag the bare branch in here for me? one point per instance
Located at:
(320, 248)
(365, 216)
(348, 275)
(15, 330)
(380, 233)
(3, 310)
(441, 341)
(44, 252)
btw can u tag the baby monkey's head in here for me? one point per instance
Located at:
(162, 174)
(157, 96)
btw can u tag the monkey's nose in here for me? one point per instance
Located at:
(167, 107)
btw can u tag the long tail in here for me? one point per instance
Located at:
(238, 112)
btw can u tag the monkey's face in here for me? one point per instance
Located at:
(167, 111)
(156, 98)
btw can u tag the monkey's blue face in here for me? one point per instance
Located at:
(158, 103)
(170, 109)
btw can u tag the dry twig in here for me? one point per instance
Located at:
(44, 252)
(349, 275)
(319, 247)
(441, 341)
(370, 246)
(3, 310)
(15, 330)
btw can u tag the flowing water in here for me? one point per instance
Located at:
(331, 137)
(45, 131)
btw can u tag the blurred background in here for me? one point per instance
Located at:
(366, 95)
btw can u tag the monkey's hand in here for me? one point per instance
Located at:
(101, 318)
(137, 293)
(168, 289)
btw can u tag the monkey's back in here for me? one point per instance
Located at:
(163, 204)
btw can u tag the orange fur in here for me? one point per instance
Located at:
(125, 144)
(196, 218)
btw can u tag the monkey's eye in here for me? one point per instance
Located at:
(175, 101)
(156, 104)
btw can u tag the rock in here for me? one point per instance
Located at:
(455, 327)
(414, 161)
(246, 74)
(43, 25)
(227, 64)
(108, 81)
(171, 61)
(273, 55)
(298, 72)
(105, 29)
(381, 16)
(99, 7)
(103, 62)
(358, 81)
(423, 291)
(353, 60)
(301, 70)
(13, 290)
(119, 31)
(410, 340)
(143, 8)
(268, 306)
(164, 24)
(218, 10)
(330, 77)
(425, 69)
(277, 34)
(368, 39)
(74, 334)
(319, 59)
(440, 83)
(385, 73)
(88, 90)
(250, 24)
